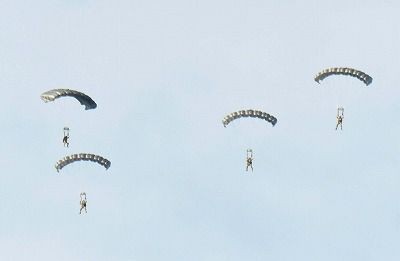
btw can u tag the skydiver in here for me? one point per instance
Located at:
(83, 203)
(65, 140)
(249, 163)
(339, 121)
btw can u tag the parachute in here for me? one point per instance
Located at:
(344, 71)
(82, 156)
(249, 113)
(81, 97)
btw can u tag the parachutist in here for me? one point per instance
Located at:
(249, 164)
(83, 202)
(66, 136)
(65, 141)
(339, 118)
(83, 206)
(249, 160)
(339, 122)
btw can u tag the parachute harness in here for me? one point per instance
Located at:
(249, 159)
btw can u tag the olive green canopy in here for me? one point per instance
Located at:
(81, 97)
(249, 113)
(82, 156)
(343, 71)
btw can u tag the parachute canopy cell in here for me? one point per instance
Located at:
(249, 113)
(344, 71)
(82, 156)
(81, 97)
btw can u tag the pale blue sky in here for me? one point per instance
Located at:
(164, 73)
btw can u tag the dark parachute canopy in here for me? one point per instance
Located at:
(249, 113)
(81, 97)
(344, 71)
(82, 156)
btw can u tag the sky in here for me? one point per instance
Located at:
(164, 74)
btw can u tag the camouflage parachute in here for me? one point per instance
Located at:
(343, 71)
(82, 156)
(81, 97)
(249, 113)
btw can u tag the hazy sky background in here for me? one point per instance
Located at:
(164, 74)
